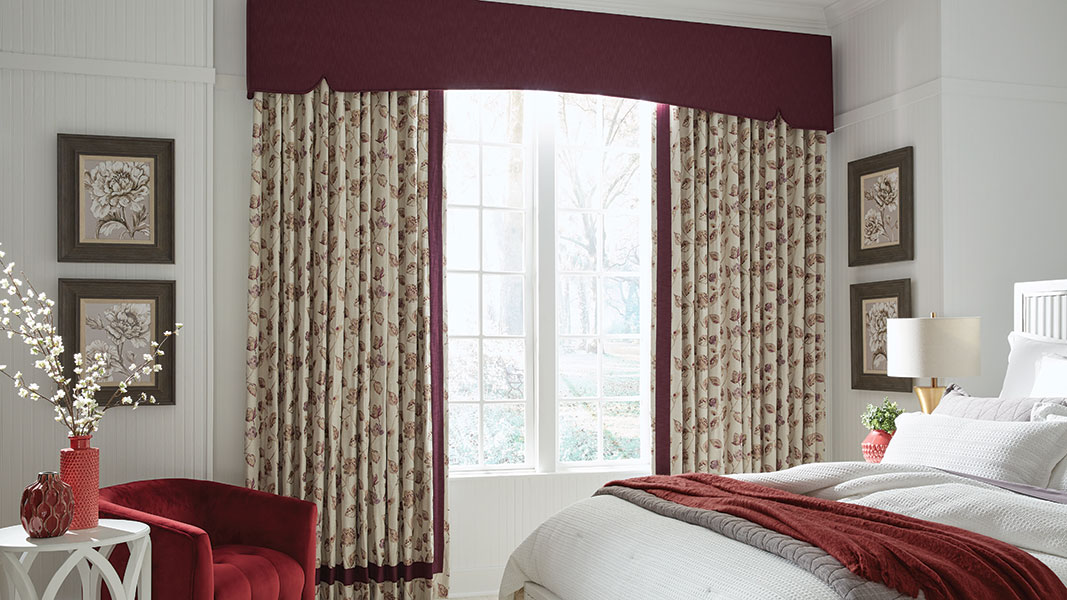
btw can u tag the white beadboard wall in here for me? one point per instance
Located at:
(886, 71)
(95, 68)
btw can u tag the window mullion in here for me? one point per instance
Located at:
(545, 209)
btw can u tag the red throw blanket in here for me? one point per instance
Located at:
(904, 553)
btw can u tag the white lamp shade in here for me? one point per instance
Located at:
(933, 347)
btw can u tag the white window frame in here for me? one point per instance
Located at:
(540, 301)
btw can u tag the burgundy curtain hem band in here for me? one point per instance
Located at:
(437, 369)
(375, 573)
(664, 328)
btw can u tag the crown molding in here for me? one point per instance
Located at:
(801, 16)
(842, 10)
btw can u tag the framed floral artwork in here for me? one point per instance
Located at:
(119, 318)
(881, 219)
(872, 304)
(116, 199)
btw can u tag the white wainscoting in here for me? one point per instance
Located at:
(88, 67)
(489, 516)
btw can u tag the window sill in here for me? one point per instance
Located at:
(633, 470)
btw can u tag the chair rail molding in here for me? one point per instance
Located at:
(106, 68)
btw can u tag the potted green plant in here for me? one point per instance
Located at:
(882, 421)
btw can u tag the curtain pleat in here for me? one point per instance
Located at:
(339, 372)
(747, 334)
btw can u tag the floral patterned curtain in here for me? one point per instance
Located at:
(744, 273)
(339, 347)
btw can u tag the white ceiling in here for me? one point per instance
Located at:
(808, 16)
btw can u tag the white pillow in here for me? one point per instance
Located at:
(1053, 411)
(1049, 409)
(1019, 452)
(958, 403)
(1026, 353)
(1051, 380)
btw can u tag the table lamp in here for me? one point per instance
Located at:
(933, 347)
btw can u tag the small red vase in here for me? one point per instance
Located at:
(47, 506)
(874, 445)
(79, 467)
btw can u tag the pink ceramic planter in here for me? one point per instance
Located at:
(874, 445)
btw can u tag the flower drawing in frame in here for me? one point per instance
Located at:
(116, 199)
(120, 329)
(871, 305)
(875, 313)
(880, 208)
(119, 319)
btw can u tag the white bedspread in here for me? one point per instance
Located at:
(607, 548)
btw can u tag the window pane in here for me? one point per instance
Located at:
(577, 307)
(577, 362)
(461, 179)
(622, 435)
(503, 248)
(577, 174)
(502, 177)
(462, 370)
(462, 434)
(577, 431)
(505, 434)
(462, 304)
(621, 124)
(621, 186)
(503, 305)
(461, 116)
(577, 116)
(622, 305)
(622, 368)
(622, 246)
(504, 370)
(579, 240)
(462, 239)
(502, 116)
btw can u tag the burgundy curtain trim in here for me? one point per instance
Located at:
(375, 573)
(471, 44)
(664, 329)
(437, 348)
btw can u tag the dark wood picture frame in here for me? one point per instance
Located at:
(896, 288)
(71, 246)
(902, 160)
(71, 294)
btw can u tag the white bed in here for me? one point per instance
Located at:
(607, 548)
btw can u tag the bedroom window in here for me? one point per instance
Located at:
(548, 280)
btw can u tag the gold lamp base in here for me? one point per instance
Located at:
(929, 397)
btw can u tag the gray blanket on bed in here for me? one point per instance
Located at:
(813, 559)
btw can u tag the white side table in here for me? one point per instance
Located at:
(89, 550)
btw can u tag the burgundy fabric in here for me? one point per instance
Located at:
(252, 572)
(362, 45)
(437, 322)
(904, 553)
(189, 518)
(664, 296)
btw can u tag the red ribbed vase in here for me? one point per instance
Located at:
(874, 445)
(47, 506)
(79, 467)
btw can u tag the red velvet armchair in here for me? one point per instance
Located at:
(212, 541)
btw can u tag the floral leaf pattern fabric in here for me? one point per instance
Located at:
(339, 409)
(747, 354)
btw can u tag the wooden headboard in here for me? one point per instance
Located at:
(1041, 308)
